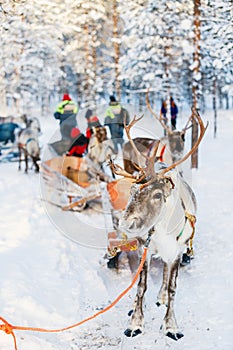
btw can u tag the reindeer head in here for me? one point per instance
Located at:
(176, 138)
(153, 186)
(176, 144)
(101, 133)
(145, 206)
(34, 124)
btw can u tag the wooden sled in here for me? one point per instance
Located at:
(69, 176)
(77, 179)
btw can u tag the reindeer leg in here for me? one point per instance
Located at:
(20, 154)
(26, 161)
(137, 318)
(134, 260)
(169, 322)
(36, 166)
(162, 298)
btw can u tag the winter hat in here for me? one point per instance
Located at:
(88, 114)
(112, 98)
(75, 132)
(93, 122)
(66, 97)
(93, 119)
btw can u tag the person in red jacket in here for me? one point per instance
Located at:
(79, 145)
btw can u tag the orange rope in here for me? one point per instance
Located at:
(9, 328)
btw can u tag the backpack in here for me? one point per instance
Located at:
(69, 107)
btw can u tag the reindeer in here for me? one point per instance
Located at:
(174, 142)
(28, 143)
(100, 148)
(158, 196)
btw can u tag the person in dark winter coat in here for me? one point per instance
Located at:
(163, 114)
(174, 112)
(92, 122)
(163, 111)
(79, 146)
(66, 112)
(114, 119)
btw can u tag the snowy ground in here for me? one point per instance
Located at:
(49, 281)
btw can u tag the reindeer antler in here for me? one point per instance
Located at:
(154, 114)
(118, 170)
(127, 130)
(202, 132)
(186, 125)
(151, 159)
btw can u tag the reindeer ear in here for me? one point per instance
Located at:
(169, 185)
(182, 135)
(169, 181)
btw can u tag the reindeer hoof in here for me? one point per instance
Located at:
(174, 336)
(159, 304)
(185, 260)
(130, 312)
(113, 262)
(129, 333)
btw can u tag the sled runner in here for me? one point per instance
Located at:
(8, 154)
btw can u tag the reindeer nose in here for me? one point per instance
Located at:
(131, 223)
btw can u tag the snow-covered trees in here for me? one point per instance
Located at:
(93, 48)
(217, 47)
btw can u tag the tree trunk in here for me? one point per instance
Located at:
(227, 101)
(196, 71)
(215, 105)
(220, 97)
(94, 68)
(87, 55)
(116, 50)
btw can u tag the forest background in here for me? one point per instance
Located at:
(94, 48)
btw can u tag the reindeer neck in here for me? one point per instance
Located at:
(169, 211)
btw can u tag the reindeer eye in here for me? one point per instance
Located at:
(157, 195)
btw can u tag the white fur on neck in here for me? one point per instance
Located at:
(164, 240)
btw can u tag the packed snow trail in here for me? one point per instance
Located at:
(49, 281)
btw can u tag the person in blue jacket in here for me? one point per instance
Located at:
(114, 119)
(174, 112)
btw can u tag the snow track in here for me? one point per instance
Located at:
(47, 280)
